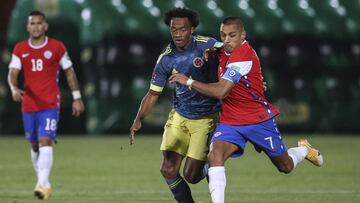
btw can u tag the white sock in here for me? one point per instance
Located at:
(217, 184)
(34, 160)
(298, 154)
(45, 162)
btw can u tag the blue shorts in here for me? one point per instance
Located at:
(264, 136)
(40, 124)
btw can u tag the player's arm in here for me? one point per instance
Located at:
(219, 89)
(77, 105)
(16, 93)
(147, 104)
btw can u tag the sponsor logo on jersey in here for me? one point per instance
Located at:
(25, 55)
(217, 134)
(198, 62)
(47, 54)
(237, 68)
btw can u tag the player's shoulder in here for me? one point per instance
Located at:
(22, 43)
(204, 41)
(53, 41)
(167, 52)
(21, 46)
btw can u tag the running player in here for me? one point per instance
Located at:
(194, 115)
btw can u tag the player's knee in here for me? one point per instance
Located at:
(169, 171)
(45, 141)
(214, 158)
(285, 168)
(191, 177)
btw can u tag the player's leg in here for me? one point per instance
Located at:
(200, 131)
(29, 122)
(226, 142)
(170, 166)
(194, 170)
(174, 146)
(266, 137)
(290, 159)
(47, 128)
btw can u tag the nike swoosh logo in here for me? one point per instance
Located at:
(25, 55)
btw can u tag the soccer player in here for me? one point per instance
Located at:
(194, 116)
(246, 115)
(39, 57)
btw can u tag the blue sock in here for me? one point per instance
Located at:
(180, 190)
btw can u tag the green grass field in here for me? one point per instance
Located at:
(106, 169)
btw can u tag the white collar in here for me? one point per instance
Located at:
(39, 46)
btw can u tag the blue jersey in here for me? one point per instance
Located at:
(188, 102)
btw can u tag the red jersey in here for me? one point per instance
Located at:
(40, 66)
(246, 103)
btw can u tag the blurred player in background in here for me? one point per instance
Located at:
(39, 57)
(194, 115)
(246, 115)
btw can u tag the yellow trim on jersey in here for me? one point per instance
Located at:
(174, 71)
(200, 38)
(156, 88)
(167, 51)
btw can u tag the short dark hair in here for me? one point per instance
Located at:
(233, 20)
(182, 12)
(37, 13)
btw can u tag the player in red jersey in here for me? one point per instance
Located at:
(246, 115)
(39, 58)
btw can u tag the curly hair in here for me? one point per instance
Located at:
(182, 12)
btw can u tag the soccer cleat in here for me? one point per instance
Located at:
(42, 192)
(314, 155)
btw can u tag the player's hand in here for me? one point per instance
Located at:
(17, 94)
(178, 78)
(77, 107)
(209, 53)
(136, 126)
(264, 84)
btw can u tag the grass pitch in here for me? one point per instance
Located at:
(106, 169)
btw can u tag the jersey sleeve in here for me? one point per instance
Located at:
(207, 42)
(15, 59)
(65, 61)
(239, 65)
(159, 77)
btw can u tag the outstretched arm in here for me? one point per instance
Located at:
(219, 89)
(147, 104)
(16, 93)
(77, 105)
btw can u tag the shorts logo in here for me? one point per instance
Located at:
(217, 134)
(232, 73)
(27, 135)
(198, 62)
(47, 54)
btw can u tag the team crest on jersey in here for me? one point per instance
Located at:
(47, 54)
(217, 134)
(198, 62)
